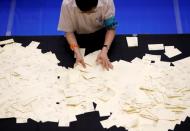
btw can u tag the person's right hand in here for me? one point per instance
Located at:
(79, 59)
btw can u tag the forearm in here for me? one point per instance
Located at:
(71, 39)
(109, 37)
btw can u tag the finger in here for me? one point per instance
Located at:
(83, 64)
(77, 62)
(110, 65)
(103, 64)
(99, 61)
(107, 65)
(87, 64)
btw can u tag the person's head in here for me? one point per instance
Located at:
(86, 5)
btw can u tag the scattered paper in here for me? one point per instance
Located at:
(5, 42)
(132, 41)
(150, 57)
(146, 94)
(171, 51)
(21, 120)
(154, 47)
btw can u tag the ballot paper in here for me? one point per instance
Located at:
(148, 115)
(21, 120)
(9, 41)
(150, 57)
(74, 101)
(171, 51)
(106, 95)
(34, 44)
(63, 123)
(132, 41)
(154, 47)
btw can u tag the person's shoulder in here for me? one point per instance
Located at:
(69, 3)
(102, 3)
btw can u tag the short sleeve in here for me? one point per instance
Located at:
(109, 18)
(65, 22)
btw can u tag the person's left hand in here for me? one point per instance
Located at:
(104, 60)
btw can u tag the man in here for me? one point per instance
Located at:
(93, 17)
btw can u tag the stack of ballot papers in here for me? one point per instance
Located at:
(157, 98)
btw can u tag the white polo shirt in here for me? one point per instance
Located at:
(73, 20)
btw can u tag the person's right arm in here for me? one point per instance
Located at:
(65, 25)
(71, 39)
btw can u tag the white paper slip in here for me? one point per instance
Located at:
(150, 57)
(107, 123)
(171, 51)
(34, 44)
(61, 124)
(136, 60)
(132, 41)
(4, 42)
(153, 47)
(21, 120)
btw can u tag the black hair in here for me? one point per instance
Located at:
(86, 5)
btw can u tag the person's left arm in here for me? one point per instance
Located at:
(103, 55)
(110, 24)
